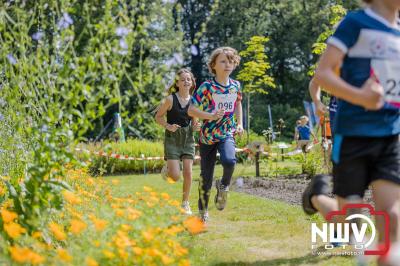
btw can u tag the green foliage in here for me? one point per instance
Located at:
(62, 65)
(312, 163)
(254, 72)
(336, 13)
(133, 148)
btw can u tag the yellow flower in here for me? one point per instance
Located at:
(64, 255)
(165, 196)
(8, 216)
(71, 197)
(77, 226)
(108, 254)
(115, 181)
(126, 227)
(58, 231)
(2, 190)
(147, 189)
(91, 262)
(194, 225)
(184, 262)
(14, 230)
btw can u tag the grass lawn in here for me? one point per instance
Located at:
(250, 231)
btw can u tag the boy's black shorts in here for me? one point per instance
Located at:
(363, 160)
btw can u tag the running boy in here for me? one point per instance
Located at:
(303, 134)
(220, 95)
(179, 139)
(366, 149)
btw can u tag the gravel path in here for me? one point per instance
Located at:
(286, 188)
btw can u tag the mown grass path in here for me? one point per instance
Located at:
(250, 231)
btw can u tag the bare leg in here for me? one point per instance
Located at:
(387, 198)
(187, 178)
(173, 169)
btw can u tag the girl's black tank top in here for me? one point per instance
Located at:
(177, 114)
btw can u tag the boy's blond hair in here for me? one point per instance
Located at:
(230, 53)
(304, 117)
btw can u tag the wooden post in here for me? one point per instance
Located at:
(258, 161)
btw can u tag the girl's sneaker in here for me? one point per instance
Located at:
(204, 216)
(186, 207)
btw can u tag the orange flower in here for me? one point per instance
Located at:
(58, 231)
(64, 255)
(99, 224)
(173, 230)
(175, 218)
(2, 190)
(96, 243)
(170, 180)
(37, 235)
(137, 250)
(179, 250)
(165, 196)
(71, 197)
(123, 254)
(25, 255)
(91, 262)
(119, 212)
(184, 262)
(194, 225)
(148, 235)
(166, 260)
(77, 226)
(133, 214)
(174, 203)
(8, 216)
(14, 230)
(108, 254)
(115, 181)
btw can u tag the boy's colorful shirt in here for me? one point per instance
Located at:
(211, 96)
(372, 47)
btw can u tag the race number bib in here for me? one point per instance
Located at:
(388, 74)
(225, 101)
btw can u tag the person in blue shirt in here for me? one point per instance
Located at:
(366, 150)
(303, 134)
